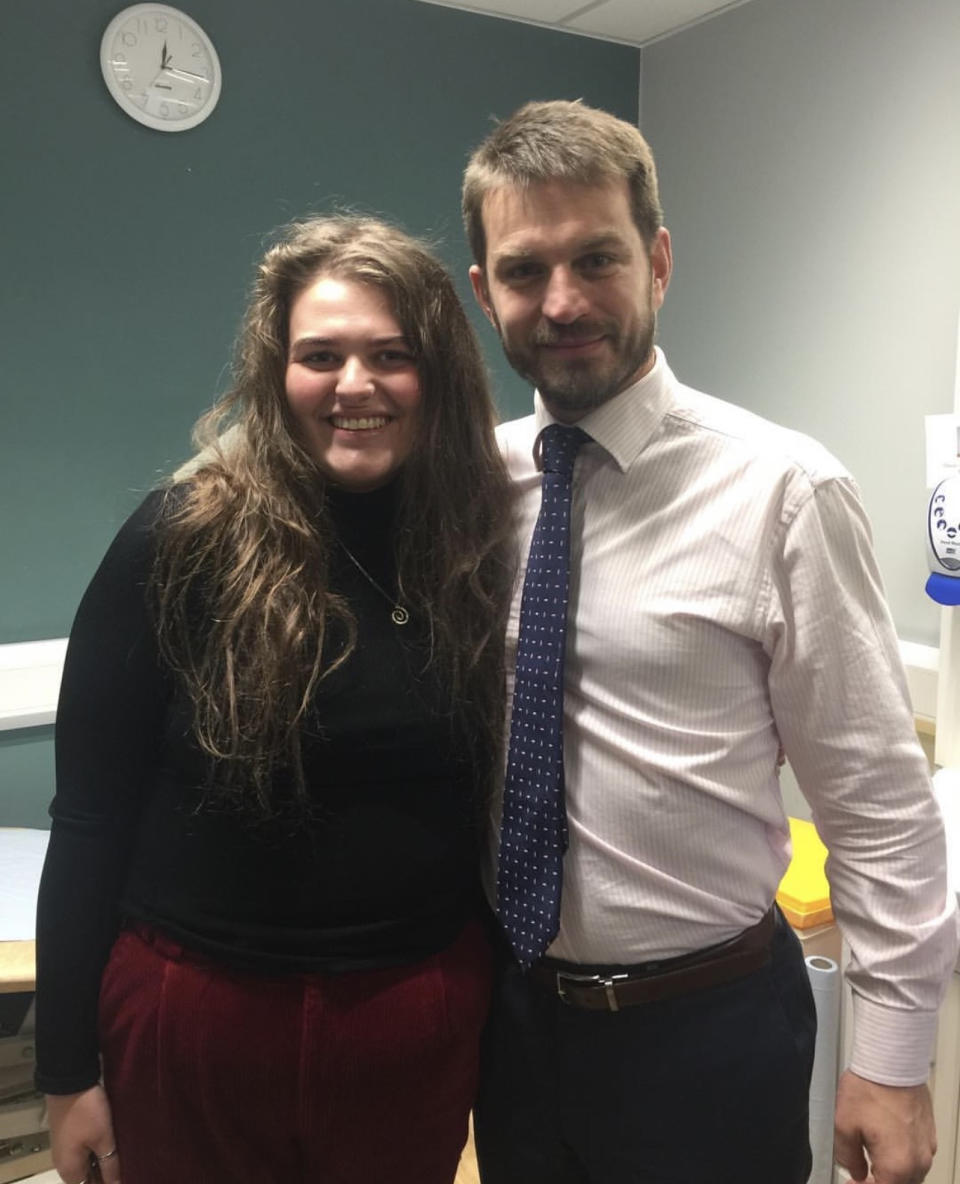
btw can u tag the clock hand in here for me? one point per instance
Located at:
(164, 59)
(186, 75)
(155, 84)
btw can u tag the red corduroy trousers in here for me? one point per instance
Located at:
(217, 1077)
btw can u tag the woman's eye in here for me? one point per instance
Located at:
(396, 357)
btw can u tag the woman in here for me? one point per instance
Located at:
(280, 711)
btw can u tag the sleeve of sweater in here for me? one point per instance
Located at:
(110, 720)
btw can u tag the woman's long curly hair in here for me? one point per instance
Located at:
(240, 585)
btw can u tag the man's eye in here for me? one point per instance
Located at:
(519, 272)
(598, 261)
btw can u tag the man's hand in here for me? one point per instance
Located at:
(80, 1127)
(893, 1125)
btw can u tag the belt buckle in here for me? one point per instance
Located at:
(607, 982)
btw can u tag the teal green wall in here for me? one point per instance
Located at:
(127, 251)
(26, 776)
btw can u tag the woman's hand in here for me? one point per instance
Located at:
(81, 1128)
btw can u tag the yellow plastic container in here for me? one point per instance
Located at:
(804, 894)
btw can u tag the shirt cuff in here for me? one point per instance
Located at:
(892, 1046)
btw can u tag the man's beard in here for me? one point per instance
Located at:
(573, 387)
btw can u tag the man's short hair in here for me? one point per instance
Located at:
(561, 141)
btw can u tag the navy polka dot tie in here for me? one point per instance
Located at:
(533, 835)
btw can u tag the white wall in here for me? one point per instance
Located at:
(809, 153)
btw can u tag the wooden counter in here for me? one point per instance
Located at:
(18, 966)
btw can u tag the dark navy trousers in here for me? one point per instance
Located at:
(706, 1088)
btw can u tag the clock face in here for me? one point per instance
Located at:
(160, 67)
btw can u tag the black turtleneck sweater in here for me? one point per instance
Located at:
(382, 869)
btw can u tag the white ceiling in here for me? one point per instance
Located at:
(633, 22)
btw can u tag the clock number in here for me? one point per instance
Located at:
(126, 83)
(160, 24)
(119, 57)
(197, 50)
(165, 110)
(183, 108)
(128, 37)
(198, 93)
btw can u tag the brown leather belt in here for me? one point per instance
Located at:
(661, 980)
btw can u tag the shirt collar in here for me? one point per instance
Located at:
(624, 425)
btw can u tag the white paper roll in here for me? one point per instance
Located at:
(825, 979)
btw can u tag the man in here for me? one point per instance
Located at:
(723, 603)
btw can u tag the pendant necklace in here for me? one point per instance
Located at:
(399, 615)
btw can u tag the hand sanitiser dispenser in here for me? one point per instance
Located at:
(943, 582)
(943, 542)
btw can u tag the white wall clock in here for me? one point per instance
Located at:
(160, 67)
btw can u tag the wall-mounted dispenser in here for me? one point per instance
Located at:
(943, 542)
(943, 509)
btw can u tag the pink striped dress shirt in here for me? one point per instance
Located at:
(724, 600)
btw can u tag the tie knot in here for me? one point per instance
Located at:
(559, 444)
